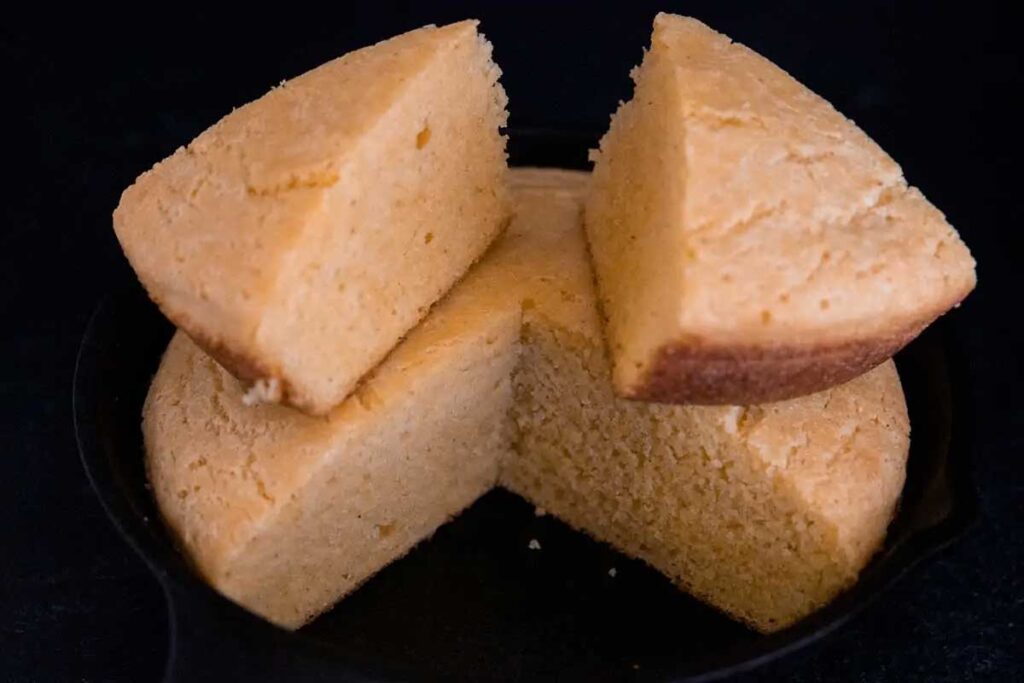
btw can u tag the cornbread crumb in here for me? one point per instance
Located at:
(263, 391)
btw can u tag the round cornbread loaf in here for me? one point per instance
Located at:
(764, 511)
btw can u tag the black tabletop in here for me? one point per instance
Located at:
(90, 101)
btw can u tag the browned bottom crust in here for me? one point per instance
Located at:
(240, 363)
(738, 375)
(249, 369)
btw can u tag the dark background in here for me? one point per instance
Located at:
(90, 101)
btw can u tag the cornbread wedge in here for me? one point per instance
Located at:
(750, 243)
(300, 237)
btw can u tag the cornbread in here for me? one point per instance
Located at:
(750, 243)
(300, 237)
(285, 513)
(763, 511)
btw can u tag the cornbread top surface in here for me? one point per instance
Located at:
(226, 207)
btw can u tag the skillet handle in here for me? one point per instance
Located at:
(212, 639)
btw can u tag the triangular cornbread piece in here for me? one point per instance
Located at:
(302, 235)
(750, 242)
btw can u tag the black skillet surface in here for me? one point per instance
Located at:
(474, 602)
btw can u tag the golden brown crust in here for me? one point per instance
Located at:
(244, 366)
(247, 367)
(738, 375)
(250, 369)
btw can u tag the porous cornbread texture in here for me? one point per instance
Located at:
(303, 234)
(763, 511)
(285, 513)
(751, 243)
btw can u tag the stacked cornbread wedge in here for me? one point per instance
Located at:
(750, 242)
(312, 421)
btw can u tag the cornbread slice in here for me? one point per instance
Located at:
(764, 511)
(285, 513)
(300, 237)
(750, 243)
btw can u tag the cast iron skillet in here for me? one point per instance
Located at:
(474, 602)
